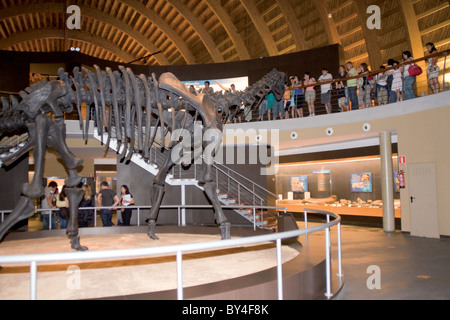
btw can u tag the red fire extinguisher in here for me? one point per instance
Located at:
(401, 179)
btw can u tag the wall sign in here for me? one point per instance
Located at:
(361, 182)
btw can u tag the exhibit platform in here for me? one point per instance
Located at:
(246, 272)
(365, 211)
(355, 215)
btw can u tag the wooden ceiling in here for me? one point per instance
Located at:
(210, 31)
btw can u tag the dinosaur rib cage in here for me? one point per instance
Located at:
(122, 104)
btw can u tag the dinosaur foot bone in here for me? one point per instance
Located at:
(75, 244)
(151, 230)
(225, 230)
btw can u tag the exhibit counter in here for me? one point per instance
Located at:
(364, 210)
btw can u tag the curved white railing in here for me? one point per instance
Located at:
(33, 259)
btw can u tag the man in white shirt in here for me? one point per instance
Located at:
(325, 89)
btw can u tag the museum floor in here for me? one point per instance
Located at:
(410, 268)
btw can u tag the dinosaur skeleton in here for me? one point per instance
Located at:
(125, 108)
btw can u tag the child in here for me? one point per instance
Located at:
(310, 93)
(397, 82)
(287, 100)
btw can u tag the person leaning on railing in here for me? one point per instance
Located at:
(106, 198)
(49, 202)
(341, 90)
(310, 93)
(325, 89)
(408, 81)
(433, 69)
(381, 92)
(287, 100)
(297, 97)
(392, 96)
(365, 88)
(394, 72)
(352, 86)
(86, 216)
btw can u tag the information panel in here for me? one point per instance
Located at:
(361, 182)
(299, 184)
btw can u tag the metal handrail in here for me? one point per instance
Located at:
(215, 164)
(372, 73)
(33, 259)
(147, 207)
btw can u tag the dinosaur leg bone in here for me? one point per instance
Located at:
(74, 195)
(36, 188)
(210, 190)
(23, 209)
(57, 140)
(158, 193)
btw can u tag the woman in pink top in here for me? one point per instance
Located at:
(310, 93)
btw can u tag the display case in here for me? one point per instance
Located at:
(340, 183)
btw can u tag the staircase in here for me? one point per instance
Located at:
(233, 189)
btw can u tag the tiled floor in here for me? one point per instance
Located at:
(405, 267)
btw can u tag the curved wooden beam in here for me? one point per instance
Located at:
(89, 12)
(164, 27)
(297, 33)
(372, 43)
(415, 40)
(328, 22)
(261, 27)
(122, 26)
(230, 28)
(200, 29)
(412, 26)
(57, 34)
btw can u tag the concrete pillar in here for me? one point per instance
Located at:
(387, 182)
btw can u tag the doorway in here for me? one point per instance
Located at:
(423, 201)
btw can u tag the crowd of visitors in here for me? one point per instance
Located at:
(359, 88)
(394, 83)
(53, 199)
